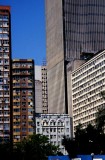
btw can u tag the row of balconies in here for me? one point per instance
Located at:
(4, 19)
(4, 122)
(14, 127)
(20, 86)
(19, 119)
(21, 66)
(18, 106)
(5, 24)
(4, 115)
(21, 100)
(89, 81)
(20, 133)
(22, 73)
(22, 80)
(15, 94)
(91, 75)
(4, 45)
(18, 113)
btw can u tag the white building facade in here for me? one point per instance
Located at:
(55, 126)
(88, 81)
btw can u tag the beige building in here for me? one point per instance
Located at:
(71, 66)
(55, 56)
(88, 81)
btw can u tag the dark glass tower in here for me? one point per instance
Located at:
(84, 27)
(75, 29)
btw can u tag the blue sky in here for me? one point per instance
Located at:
(28, 29)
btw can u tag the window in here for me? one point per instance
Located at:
(1, 80)
(37, 123)
(24, 129)
(67, 123)
(31, 130)
(38, 130)
(23, 109)
(29, 84)
(67, 129)
(16, 110)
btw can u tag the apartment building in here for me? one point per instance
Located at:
(55, 126)
(88, 81)
(5, 73)
(23, 98)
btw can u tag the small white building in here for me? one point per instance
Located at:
(55, 126)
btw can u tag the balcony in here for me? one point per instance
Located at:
(15, 120)
(16, 140)
(16, 133)
(16, 100)
(16, 114)
(15, 126)
(16, 93)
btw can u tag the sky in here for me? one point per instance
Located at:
(28, 29)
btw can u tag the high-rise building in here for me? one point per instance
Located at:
(74, 30)
(23, 98)
(5, 73)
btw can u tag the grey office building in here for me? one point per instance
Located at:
(75, 30)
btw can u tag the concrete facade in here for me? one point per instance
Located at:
(38, 96)
(88, 81)
(55, 56)
(38, 73)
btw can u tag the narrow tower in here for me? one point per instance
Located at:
(5, 73)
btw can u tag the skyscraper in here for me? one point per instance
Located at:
(5, 73)
(74, 30)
